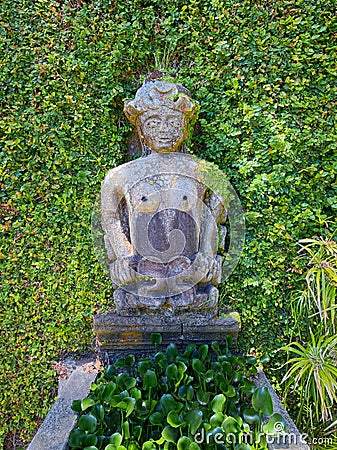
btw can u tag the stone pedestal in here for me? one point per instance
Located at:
(116, 333)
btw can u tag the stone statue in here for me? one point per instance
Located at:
(160, 221)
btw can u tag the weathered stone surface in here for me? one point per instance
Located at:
(160, 220)
(117, 332)
(54, 431)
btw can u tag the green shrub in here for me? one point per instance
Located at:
(264, 74)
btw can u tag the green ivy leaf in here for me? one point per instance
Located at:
(87, 423)
(171, 352)
(172, 372)
(203, 397)
(203, 352)
(262, 401)
(89, 440)
(194, 446)
(126, 430)
(186, 392)
(98, 412)
(75, 437)
(248, 387)
(174, 419)
(218, 403)
(130, 405)
(86, 403)
(194, 420)
(76, 406)
(184, 443)
(156, 339)
(110, 372)
(150, 379)
(170, 434)
(136, 393)
(216, 347)
(130, 360)
(125, 381)
(108, 391)
(143, 366)
(230, 391)
(231, 426)
(198, 366)
(167, 403)
(276, 425)
(216, 419)
(251, 416)
(149, 445)
(156, 418)
(116, 439)
(137, 432)
(190, 348)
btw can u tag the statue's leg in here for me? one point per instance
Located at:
(153, 283)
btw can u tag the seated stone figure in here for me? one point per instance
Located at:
(160, 221)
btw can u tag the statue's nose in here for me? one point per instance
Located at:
(164, 126)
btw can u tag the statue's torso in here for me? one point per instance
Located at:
(163, 205)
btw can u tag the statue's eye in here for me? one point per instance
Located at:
(173, 122)
(153, 123)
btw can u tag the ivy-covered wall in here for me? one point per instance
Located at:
(264, 73)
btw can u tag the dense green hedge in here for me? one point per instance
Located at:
(265, 76)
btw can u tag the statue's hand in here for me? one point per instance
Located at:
(122, 270)
(200, 271)
(203, 266)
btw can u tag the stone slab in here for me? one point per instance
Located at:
(292, 438)
(115, 332)
(54, 431)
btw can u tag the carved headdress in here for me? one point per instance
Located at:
(155, 94)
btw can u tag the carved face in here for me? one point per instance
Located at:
(162, 129)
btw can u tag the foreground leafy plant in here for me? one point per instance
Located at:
(312, 364)
(313, 370)
(176, 400)
(318, 300)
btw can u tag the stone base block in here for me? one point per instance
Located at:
(133, 334)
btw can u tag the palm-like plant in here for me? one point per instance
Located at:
(320, 297)
(313, 372)
(312, 364)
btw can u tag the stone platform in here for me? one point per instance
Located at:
(133, 333)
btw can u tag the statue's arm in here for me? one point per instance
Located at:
(213, 216)
(116, 241)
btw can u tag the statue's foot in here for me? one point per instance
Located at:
(128, 304)
(157, 289)
(182, 300)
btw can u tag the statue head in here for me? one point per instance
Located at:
(161, 111)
